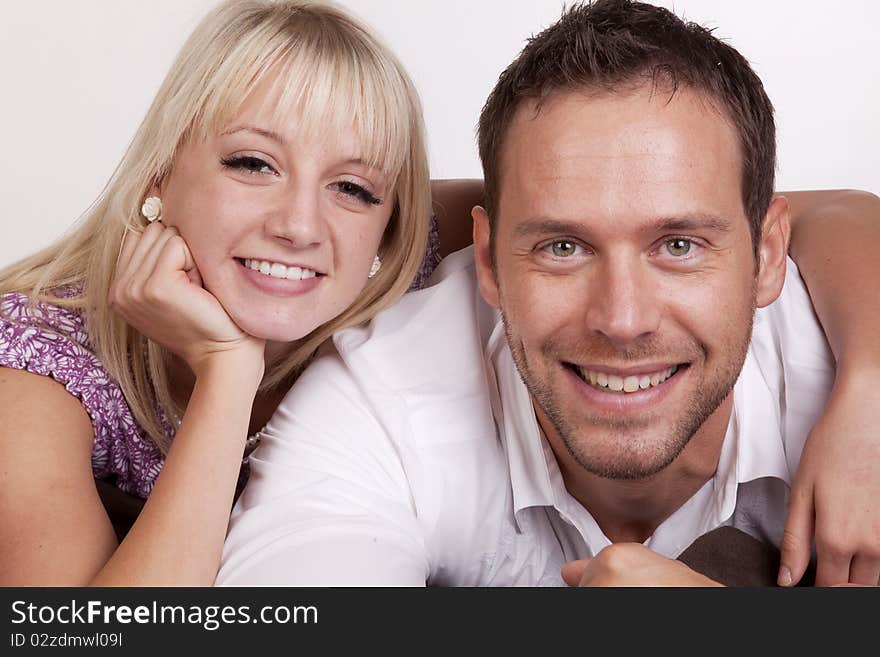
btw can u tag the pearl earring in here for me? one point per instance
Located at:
(377, 265)
(152, 209)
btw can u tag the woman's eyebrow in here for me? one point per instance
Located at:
(268, 134)
(274, 136)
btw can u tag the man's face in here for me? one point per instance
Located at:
(624, 270)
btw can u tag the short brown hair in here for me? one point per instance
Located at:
(609, 45)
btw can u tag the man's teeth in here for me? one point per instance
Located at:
(626, 384)
(277, 270)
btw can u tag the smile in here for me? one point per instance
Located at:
(278, 270)
(623, 384)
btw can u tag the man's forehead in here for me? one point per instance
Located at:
(622, 112)
(620, 147)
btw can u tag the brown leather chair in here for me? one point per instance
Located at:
(452, 203)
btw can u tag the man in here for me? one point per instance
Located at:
(614, 410)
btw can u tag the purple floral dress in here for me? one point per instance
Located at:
(52, 341)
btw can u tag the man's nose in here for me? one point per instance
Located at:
(624, 303)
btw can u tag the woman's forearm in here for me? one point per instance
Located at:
(178, 538)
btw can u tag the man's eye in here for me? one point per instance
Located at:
(563, 248)
(678, 247)
(249, 164)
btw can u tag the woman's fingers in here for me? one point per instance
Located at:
(172, 258)
(832, 566)
(135, 246)
(129, 242)
(797, 535)
(864, 570)
(146, 272)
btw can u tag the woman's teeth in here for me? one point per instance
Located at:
(277, 270)
(616, 383)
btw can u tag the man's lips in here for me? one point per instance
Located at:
(629, 397)
(625, 380)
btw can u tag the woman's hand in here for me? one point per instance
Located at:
(837, 489)
(158, 290)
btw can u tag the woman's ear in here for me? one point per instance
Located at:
(773, 252)
(483, 256)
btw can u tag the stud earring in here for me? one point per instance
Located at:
(377, 265)
(152, 209)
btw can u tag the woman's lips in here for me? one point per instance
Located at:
(276, 286)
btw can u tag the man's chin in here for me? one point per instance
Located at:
(628, 465)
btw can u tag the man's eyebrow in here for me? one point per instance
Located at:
(690, 222)
(678, 223)
(268, 134)
(543, 226)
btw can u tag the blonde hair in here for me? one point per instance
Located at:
(330, 68)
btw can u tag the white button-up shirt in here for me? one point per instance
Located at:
(409, 453)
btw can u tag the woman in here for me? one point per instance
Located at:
(269, 205)
(282, 168)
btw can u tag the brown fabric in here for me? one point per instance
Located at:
(734, 558)
(122, 508)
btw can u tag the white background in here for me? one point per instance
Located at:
(76, 77)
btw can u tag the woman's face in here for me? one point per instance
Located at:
(282, 227)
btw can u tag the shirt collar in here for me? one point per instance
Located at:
(757, 416)
(530, 476)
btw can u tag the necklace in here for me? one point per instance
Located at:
(252, 442)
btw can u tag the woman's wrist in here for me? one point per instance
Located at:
(241, 365)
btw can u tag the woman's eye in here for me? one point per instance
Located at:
(678, 247)
(563, 248)
(354, 190)
(249, 164)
